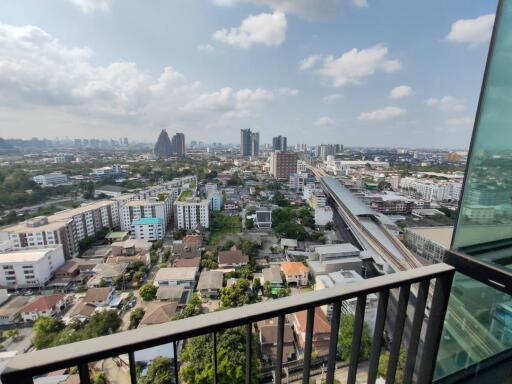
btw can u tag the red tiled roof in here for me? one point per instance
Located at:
(320, 325)
(233, 256)
(42, 303)
(293, 268)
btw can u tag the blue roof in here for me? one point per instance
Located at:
(147, 221)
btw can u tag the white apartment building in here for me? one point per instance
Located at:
(432, 189)
(191, 212)
(309, 189)
(29, 267)
(148, 228)
(297, 180)
(39, 232)
(114, 170)
(138, 209)
(51, 179)
(210, 187)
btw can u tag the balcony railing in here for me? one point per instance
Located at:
(428, 309)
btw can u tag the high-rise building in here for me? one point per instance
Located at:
(279, 143)
(255, 144)
(163, 147)
(245, 142)
(282, 164)
(178, 145)
(324, 150)
(191, 212)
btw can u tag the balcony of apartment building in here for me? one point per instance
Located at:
(445, 323)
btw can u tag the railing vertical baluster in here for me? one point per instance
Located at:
(279, 352)
(333, 342)
(414, 340)
(176, 370)
(380, 322)
(248, 353)
(83, 372)
(133, 370)
(440, 299)
(398, 329)
(356, 339)
(215, 358)
(308, 345)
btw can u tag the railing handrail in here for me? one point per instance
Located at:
(47, 360)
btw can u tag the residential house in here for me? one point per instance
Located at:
(232, 258)
(81, 311)
(108, 273)
(10, 311)
(268, 342)
(321, 331)
(272, 275)
(100, 297)
(170, 293)
(194, 262)
(185, 276)
(158, 313)
(210, 284)
(43, 306)
(295, 273)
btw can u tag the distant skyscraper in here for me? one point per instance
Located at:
(279, 143)
(245, 142)
(255, 144)
(163, 147)
(324, 150)
(178, 144)
(125, 141)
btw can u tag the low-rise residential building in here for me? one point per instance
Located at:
(290, 244)
(100, 297)
(153, 207)
(10, 310)
(176, 276)
(295, 273)
(297, 180)
(107, 273)
(130, 251)
(51, 179)
(191, 213)
(28, 268)
(321, 331)
(81, 311)
(431, 243)
(158, 313)
(318, 199)
(170, 293)
(230, 205)
(268, 341)
(210, 284)
(109, 191)
(43, 306)
(273, 276)
(148, 228)
(215, 200)
(232, 258)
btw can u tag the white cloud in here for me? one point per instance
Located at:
(288, 91)
(401, 92)
(62, 87)
(446, 103)
(309, 62)
(205, 48)
(308, 9)
(355, 65)
(265, 28)
(474, 32)
(458, 121)
(323, 121)
(385, 113)
(90, 6)
(361, 3)
(330, 99)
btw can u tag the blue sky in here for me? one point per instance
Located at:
(317, 71)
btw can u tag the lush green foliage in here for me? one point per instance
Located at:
(135, 317)
(147, 292)
(345, 338)
(159, 372)
(193, 308)
(197, 359)
(383, 365)
(237, 294)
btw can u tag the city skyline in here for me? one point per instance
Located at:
(344, 78)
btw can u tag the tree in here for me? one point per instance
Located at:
(256, 285)
(249, 223)
(267, 289)
(345, 338)
(135, 317)
(236, 295)
(14, 333)
(101, 378)
(46, 330)
(197, 360)
(147, 292)
(193, 308)
(383, 365)
(279, 199)
(160, 371)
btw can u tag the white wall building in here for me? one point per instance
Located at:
(148, 228)
(29, 267)
(138, 209)
(191, 212)
(51, 179)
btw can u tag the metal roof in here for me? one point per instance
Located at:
(355, 205)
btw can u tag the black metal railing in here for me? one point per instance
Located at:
(427, 310)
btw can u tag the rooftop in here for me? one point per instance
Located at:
(42, 303)
(148, 221)
(439, 235)
(27, 255)
(183, 273)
